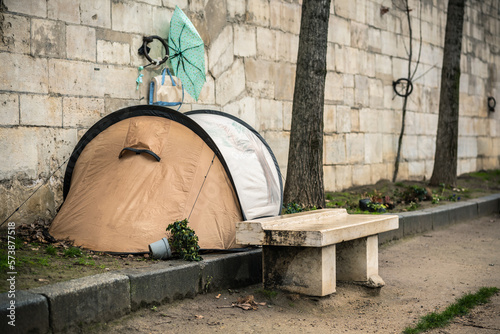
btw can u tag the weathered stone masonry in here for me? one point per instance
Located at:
(67, 63)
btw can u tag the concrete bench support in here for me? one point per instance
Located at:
(308, 252)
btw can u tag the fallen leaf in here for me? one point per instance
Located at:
(218, 296)
(197, 316)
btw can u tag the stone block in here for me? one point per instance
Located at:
(236, 9)
(230, 84)
(343, 177)
(113, 52)
(80, 43)
(354, 116)
(340, 59)
(183, 4)
(87, 79)
(287, 47)
(41, 110)
(48, 38)
(305, 270)
(346, 9)
(361, 175)
(125, 12)
(269, 114)
(284, 81)
(359, 35)
(366, 61)
(15, 34)
(215, 12)
(355, 147)
(425, 147)
(380, 171)
(28, 7)
(361, 91)
(9, 112)
(244, 109)
(207, 94)
(163, 282)
(82, 112)
(357, 260)
(59, 10)
(339, 31)
(231, 270)
(352, 65)
(369, 120)
(244, 41)
(334, 87)
(373, 17)
(114, 104)
(462, 211)
(389, 146)
(383, 70)
(161, 21)
(330, 57)
(266, 43)
(391, 235)
(329, 178)
(415, 222)
(258, 12)
(18, 144)
(287, 116)
(376, 91)
(96, 13)
(487, 205)
(389, 43)
(439, 215)
(30, 313)
(85, 300)
(374, 40)
(373, 148)
(285, 16)
(278, 141)
(334, 149)
(221, 52)
(329, 122)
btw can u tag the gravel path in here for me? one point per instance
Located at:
(422, 274)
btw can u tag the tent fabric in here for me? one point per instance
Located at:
(141, 168)
(249, 157)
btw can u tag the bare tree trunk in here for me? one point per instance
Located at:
(304, 180)
(445, 159)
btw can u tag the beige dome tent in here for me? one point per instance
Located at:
(141, 168)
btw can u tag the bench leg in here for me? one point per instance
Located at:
(357, 260)
(305, 270)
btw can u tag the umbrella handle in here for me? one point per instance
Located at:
(148, 39)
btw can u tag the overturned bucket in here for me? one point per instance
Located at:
(160, 249)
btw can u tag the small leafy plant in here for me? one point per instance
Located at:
(184, 240)
(292, 208)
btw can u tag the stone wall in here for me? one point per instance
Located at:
(68, 63)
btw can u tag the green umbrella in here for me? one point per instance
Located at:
(187, 53)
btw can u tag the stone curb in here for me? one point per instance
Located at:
(65, 306)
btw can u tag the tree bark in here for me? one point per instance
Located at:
(445, 159)
(304, 179)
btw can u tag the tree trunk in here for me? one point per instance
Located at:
(445, 159)
(304, 179)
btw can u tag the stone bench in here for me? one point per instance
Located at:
(307, 252)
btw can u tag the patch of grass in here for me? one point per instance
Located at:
(461, 307)
(73, 252)
(269, 294)
(51, 250)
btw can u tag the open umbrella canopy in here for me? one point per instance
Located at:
(187, 53)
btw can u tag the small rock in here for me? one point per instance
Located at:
(375, 281)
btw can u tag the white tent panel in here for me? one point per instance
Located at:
(255, 174)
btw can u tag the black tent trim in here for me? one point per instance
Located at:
(236, 119)
(142, 110)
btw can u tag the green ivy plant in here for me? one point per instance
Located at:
(184, 240)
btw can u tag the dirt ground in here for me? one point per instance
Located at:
(422, 274)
